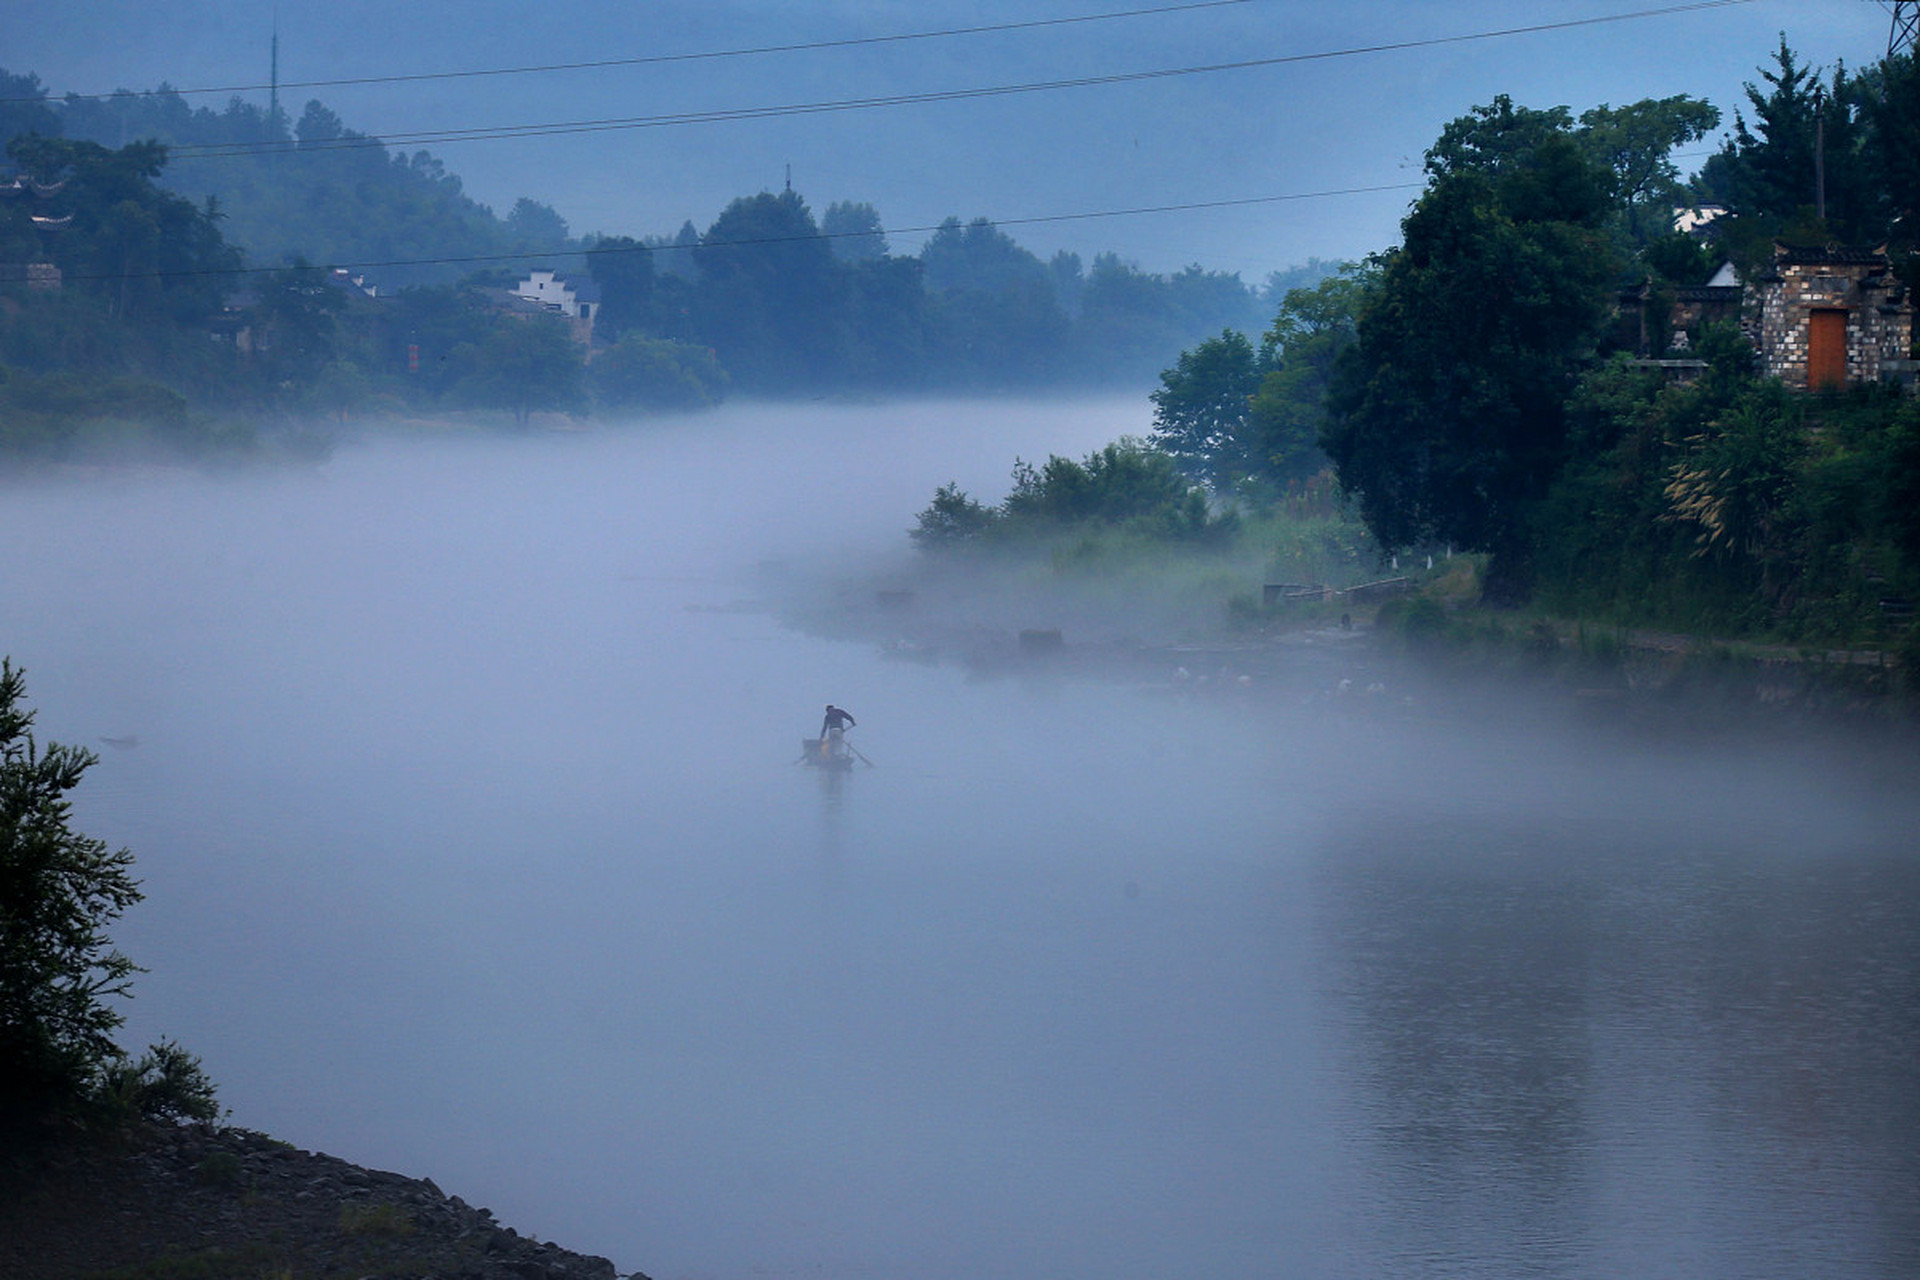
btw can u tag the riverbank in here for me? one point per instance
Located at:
(192, 1202)
(1427, 651)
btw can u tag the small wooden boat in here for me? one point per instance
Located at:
(826, 753)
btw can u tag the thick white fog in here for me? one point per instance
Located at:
(460, 774)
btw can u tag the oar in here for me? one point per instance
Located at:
(856, 751)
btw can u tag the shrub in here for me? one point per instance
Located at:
(58, 891)
(167, 1083)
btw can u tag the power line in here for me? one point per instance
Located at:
(498, 133)
(706, 55)
(547, 255)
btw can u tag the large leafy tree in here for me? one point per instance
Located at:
(773, 300)
(1123, 483)
(1201, 409)
(654, 375)
(1302, 349)
(992, 312)
(23, 106)
(977, 257)
(524, 366)
(855, 230)
(1448, 418)
(1635, 145)
(148, 253)
(1892, 145)
(296, 319)
(536, 226)
(1798, 168)
(59, 890)
(888, 312)
(623, 267)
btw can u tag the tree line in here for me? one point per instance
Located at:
(1472, 387)
(169, 223)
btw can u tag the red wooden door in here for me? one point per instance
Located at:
(1826, 349)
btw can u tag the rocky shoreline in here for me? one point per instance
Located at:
(168, 1202)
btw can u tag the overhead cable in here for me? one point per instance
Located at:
(705, 55)
(498, 133)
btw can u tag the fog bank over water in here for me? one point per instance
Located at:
(461, 778)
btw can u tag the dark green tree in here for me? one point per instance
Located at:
(952, 520)
(1202, 407)
(532, 225)
(977, 257)
(623, 267)
(1448, 415)
(145, 251)
(59, 890)
(1128, 322)
(1766, 168)
(1798, 170)
(993, 315)
(654, 375)
(1497, 139)
(1009, 337)
(1635, 145)
(855, 231)
(1892, 146)
(1069, 279)
(522, 366)
(772, 300)
(1123, 483)
(318, 125)
(23, 107)
(888, 315)
(1301, 350)
(296, 323)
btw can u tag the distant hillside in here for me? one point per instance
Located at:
(317, 189)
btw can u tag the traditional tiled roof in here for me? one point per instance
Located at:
(1796, 255)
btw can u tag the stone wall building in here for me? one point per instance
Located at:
(1830, 317)
(1818, 318)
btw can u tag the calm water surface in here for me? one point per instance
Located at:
(461, 779)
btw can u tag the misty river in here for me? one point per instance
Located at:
(460, 774)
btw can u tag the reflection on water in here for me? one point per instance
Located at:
(1592, 1052)
(462, 786)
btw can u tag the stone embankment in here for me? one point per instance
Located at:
(172, 1201)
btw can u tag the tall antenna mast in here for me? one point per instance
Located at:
(1906, 28)
(273, 82)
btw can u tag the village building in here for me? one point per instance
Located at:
(1830, 317)
(352, 282)
(20, 194)
(33, 275)
(1818, 318)
(577, 300)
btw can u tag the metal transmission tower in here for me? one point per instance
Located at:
(1906, 28)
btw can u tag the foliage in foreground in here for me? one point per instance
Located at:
(1734, 505)
(1125, 485)
(1114, 538)
(59, 890)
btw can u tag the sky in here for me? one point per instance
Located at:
(1313, 157)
